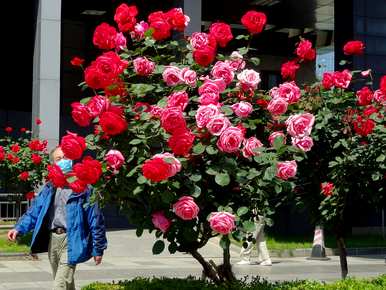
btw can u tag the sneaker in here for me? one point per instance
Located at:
(243, 262)
(267, 262)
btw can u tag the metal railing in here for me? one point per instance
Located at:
(12, 206)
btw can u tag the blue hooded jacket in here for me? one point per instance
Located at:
(86, 233)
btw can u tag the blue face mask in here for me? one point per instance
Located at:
(65, 165)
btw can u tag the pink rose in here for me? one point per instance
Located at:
(143, 66)
(175, 164)
(222, 222)
(242, 109)
(120, 42)
(172, 76)
(205, 113)
(160, 221)
(300, 125)
(342, 79)
(156, 111)
(209, 86)
(250, 145)
(286, 169)
(304, 143)
(209, 98)
(248, 79)
(114, 159)
(290, 92)
(201, 40)
(236, 62)
(222, 70)
(230, 139)
(139, 30)
(178, 100)
(379, 97)
(97, 105)
(189, 77)
(186, 208)
(218, 124)
(275, 135)
(277, 106)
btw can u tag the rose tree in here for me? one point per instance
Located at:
(186, 143)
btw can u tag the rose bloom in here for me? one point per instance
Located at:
(88, 171)
(202, 40)
(290, 92)
(160, 221)
(205, 113)
(222, 222)
(104, 36)
(189, 76)
(305, 50)
(120, 42)
(8, 129)
(328, 80)
(305, 143)
(36, 159)
(236, 61)
(230, 139)
(118, 88)
(222, 32)
(172, 120)
(366, 73)
(209, 98)
(172, 76)
(156, 111)
(342, 79)
(78, 186)
(369, 111)
(250, 145)
(161, 29)
(15, 148)
(139, 31)
(97, 105)
(204, 56)
(185, 208)
(77, 61)
(174, 164)
(73, 146)
(222, 70)
(81, 114)
(56, 176)
(112, 123)
(363, 127)
(277, 106)
(177, 19)
(354, 47)
(143, 66)
(364, 96)
(254, 21)
(288, 69)
(218, 124)
(300, 125)
(210, 86)
(37, 145)
(327, 188)
(275, 135)
(181, 142)
(30, 195)
(242, 109)
(178, 100)
(125, 17)
(114, 159)
(286, 169)
(24, 176)
(156, 169)
(379, 97)
(382, 85)
(248, 79)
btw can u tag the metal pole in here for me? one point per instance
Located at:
(383, 223)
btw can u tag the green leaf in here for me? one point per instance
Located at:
(255, 61)
(141, 90)
(135, 142)
(243, 50)
(197, 191)
(141, 179)
(222, 179)
(195, 177)
(84, 101)
(270, 173)
(343, 62)
(198, 148)
(249, 226)
(224, 242)
(172, 248)
(380, 158)
(242, 36)
(278, 142)
(211, 171)
(158, 247)
(211, 150)
(167, 196)
(278, 188)
(242, 210)
(139, 232)
(137, 190)
(227, 110)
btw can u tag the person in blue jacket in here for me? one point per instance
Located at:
(66, 225)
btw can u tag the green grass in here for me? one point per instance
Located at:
(21, 246)
(3, 222)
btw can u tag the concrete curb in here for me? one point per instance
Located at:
(329, 252)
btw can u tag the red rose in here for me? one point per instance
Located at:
(2, 153)
(30, 195)
(37, 145)
(354, 47)
(369, 111)
(156, 169)
(73, 146)
(38, 121)
(382, 85)
(176, 19)
(205, 56)
(118, 88)
(36, 159)
(97, 105)
(363, 127)
(56, 176)
(221, 32)
(24, 176)
(81, 114)
(112, 123)
(305, 50)
(364, 96)
(327, 188)
(23, 130)
(288, 69)
(78, 186)
(254, 21)
(172, 120)
(181, 142)
(89, 171)
(104, 36)
(328, 80)
(161, 29)
(77, 61)
(125, 17)
(12, 158)
(8, 130)
(15, 148)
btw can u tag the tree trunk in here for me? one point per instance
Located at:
(225, 270)
(209, 270)
(342, 249)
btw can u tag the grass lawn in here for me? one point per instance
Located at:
(9, 247)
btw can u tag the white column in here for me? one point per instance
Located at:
(46, 72)
(193, 8)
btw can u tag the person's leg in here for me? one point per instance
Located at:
(64, 279)
(53, 256)
(261, 245)
(245, 253)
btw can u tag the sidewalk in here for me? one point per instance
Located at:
(128, 256)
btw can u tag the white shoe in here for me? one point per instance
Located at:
(243, 262)
(267, 262)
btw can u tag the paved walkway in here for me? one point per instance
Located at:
(129, 256)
